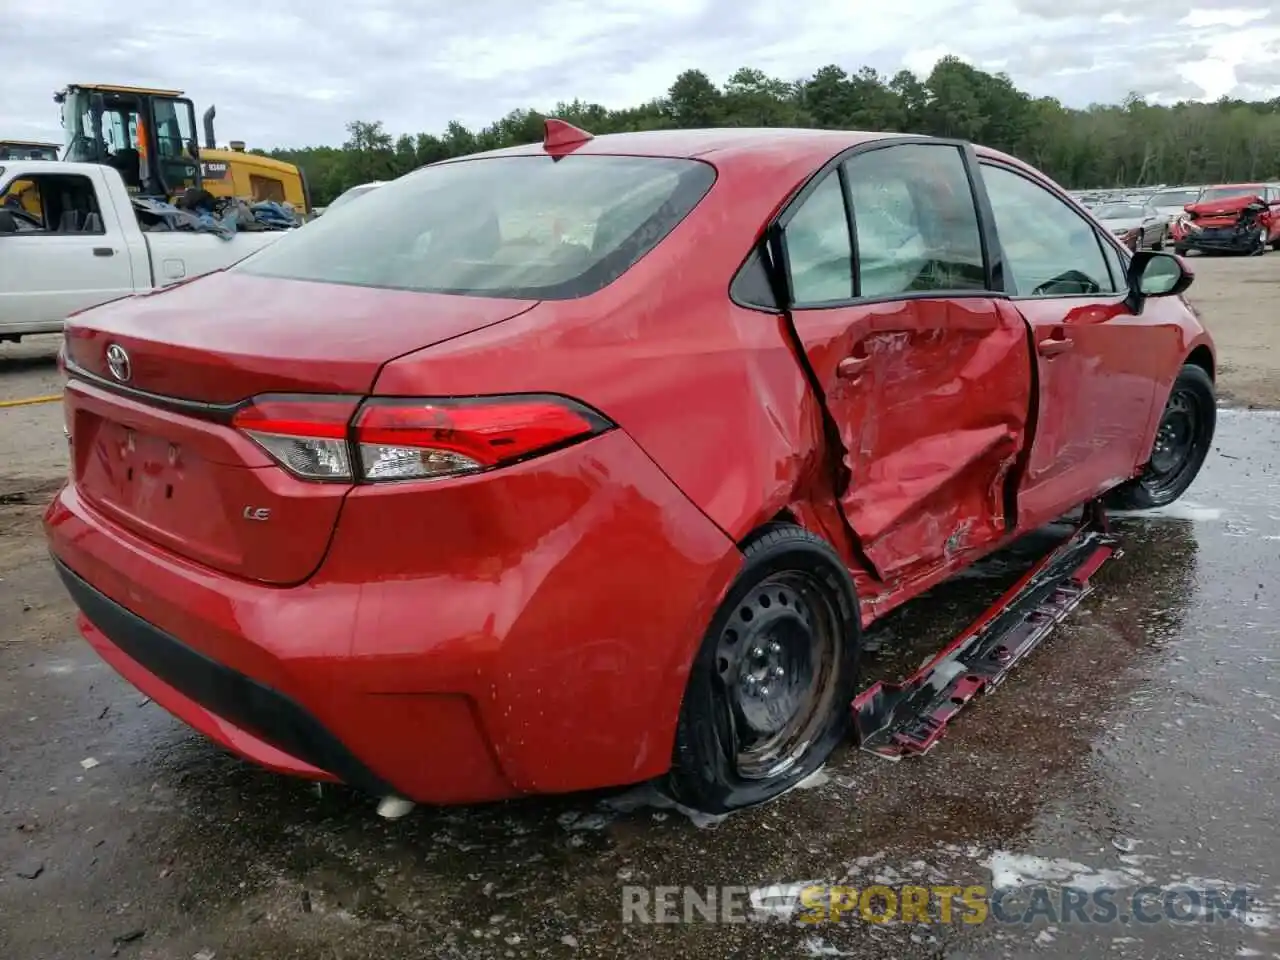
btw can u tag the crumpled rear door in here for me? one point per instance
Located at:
(931, 398)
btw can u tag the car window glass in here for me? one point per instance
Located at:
(915, 219)
(517, 227)
(51, 205)
(1119, 211)
(1117, 265)
(819, 254)
(1049, 249)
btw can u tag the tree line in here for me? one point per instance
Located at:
(1129, 144)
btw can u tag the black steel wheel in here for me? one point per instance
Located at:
(1182, 442)
(769, 695)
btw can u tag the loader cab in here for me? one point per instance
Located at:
(149, 136)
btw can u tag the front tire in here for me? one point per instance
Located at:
(1183, 440)
(771, 689)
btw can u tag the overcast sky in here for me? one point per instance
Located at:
(293, 72)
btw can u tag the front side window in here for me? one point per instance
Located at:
(51, 205)
(526, 227)
(916, 221)
(1049, 249)
(1117, 264)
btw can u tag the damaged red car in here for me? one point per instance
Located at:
(1239, 218)
(586, 463)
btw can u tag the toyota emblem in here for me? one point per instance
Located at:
(118, 362)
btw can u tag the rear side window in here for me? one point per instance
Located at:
(916, 221)
(516, 227)
(819, 253)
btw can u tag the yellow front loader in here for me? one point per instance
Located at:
(150, 136)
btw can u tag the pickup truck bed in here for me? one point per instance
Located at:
(88, 247)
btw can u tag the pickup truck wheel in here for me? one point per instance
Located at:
(770, 692)
(1182, 442)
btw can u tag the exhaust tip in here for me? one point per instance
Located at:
(393, 807)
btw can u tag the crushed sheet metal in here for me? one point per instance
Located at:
(30, 401)
(901, 719)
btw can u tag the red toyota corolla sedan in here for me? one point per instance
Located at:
(586, 462)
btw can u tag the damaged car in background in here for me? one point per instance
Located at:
(476, 489)
(1241, 218)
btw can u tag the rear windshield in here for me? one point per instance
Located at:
(1175, 198)
(517, 227)
(1118, 211)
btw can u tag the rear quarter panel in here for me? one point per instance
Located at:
(712, 392)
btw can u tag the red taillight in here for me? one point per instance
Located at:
(420, 439)
(325, 438)
(305, 435)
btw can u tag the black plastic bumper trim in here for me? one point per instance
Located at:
(238, 699)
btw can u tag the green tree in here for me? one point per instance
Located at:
(1131, 143)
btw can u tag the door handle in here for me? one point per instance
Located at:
(1052, 346)
(103, 252)
(850, 368)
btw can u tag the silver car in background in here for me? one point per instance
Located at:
(1137, 225)
(1173, 201)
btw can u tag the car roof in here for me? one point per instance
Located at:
(784, 150)
(723, 141)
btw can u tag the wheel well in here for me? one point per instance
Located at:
(783, 517)
(1202, 357)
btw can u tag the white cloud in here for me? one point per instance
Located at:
(293, 72)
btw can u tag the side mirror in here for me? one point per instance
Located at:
(1154, 274)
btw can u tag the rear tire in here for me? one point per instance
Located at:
(770, 693)
(1183, 439)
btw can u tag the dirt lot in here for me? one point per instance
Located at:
(1237, 300)
(1139, 747)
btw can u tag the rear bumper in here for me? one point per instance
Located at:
(228, 706)
(521, 632)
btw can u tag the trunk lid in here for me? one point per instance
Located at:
(227, 336)
(1123, 225)
(167, 465)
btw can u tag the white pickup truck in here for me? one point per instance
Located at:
(70, 239)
